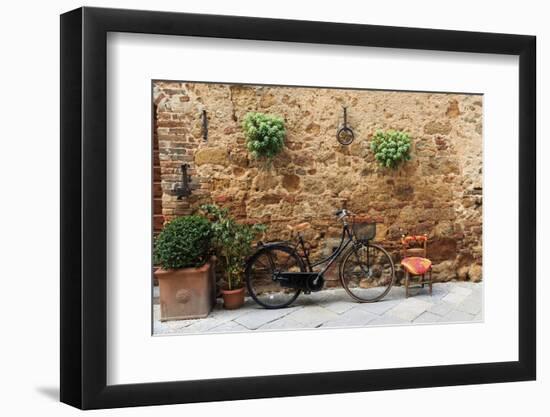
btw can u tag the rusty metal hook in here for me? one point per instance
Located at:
(204, 126)
(345, 134)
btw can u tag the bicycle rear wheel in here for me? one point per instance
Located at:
(367, 272)
(260, 272)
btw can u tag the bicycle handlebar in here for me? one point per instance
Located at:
(343, 213)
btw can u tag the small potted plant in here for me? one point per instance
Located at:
(265, 135)
(186, 274)
(232, 244)
(391, 148)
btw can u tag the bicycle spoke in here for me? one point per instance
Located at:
(367, 273)
(261, 278)
(262, 264)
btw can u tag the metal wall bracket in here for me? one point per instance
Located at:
(345, 135)
(184, 190)
(204, 125)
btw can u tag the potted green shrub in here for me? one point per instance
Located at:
(391, 148)
(186, 274)
(232, 243)
(264, 134)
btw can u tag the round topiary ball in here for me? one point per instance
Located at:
(183, 243)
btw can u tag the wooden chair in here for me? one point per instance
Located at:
(414, 261)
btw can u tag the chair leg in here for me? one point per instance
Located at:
(406, 284)
(431, 282)
(422, 280)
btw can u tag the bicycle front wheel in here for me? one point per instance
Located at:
(367, 272)
(261, 272)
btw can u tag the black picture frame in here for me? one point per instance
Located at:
(84, 207)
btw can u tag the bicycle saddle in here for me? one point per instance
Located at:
(299, 227)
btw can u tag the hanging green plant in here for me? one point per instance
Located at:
(391, 147)
(265, 134)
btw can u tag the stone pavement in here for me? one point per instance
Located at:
(451, 302)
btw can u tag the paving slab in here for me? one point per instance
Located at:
(451, 302)
(427, 317)
(202, 325)
(457, 316)
(223, 315)
(228, 327)
(256, 318)
(338, 307)
(472, 305)
(442, 308)
(284, 323)
(454, 298)
(168, 327)
(313, 316)
(380, 307)
(387, 321)
(437, 294)
(409, 309)
(460, 289)
(351, 318)
(305, 300)
(396, 293)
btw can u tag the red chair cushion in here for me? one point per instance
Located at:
(416, 265)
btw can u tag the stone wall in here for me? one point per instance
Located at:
(439, 191)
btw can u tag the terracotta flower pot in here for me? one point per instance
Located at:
(187, 293)
(233, 299)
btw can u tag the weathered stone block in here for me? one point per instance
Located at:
(444, 271)
(475, 273)
(265, 181)
(436, 127)
(453, 109)
(215, 156)
(442, 249)
(291, 182)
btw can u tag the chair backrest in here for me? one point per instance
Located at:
(414, 245)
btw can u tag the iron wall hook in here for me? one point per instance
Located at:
(204, 125)
(345, 134)
(184, 190)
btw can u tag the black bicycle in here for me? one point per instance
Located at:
(277, 273)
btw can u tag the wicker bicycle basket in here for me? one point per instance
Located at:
(363, 230)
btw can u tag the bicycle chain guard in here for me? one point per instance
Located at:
(306, 281)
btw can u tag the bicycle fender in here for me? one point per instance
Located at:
(275, 243)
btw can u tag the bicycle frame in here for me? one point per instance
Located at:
(310, 276)
(345, 240)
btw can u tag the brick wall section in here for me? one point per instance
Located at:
(158, 216)
(438, 192)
